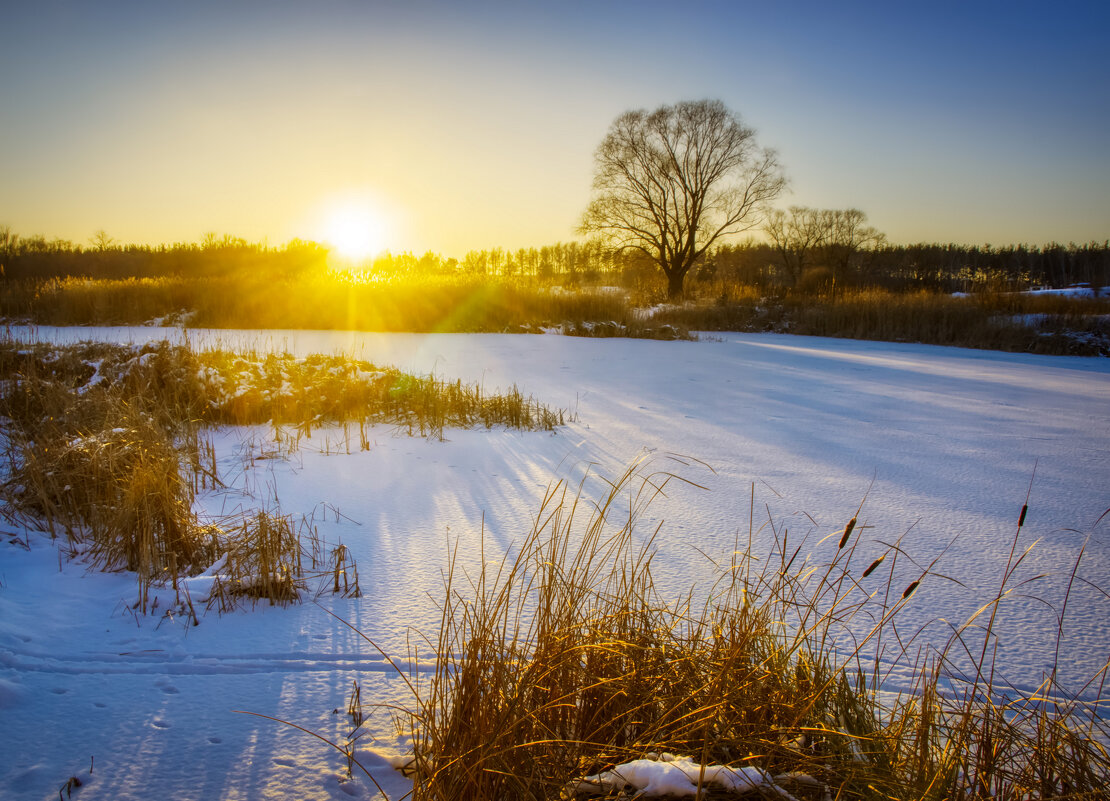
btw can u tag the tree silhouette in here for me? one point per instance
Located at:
(671, 182)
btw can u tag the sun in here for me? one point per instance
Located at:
(355, 230)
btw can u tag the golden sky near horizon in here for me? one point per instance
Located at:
(451, 127)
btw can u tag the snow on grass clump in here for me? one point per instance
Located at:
(105, 446)
(681, 777)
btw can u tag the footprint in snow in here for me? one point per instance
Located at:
(349, 789)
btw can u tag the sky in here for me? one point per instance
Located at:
(450, 126)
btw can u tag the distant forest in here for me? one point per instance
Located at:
(938, 267)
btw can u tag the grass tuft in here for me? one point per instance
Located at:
(103, 444)
(562, 662)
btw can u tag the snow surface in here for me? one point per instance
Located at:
(943, 443)
(1079, 291)
(679, 777)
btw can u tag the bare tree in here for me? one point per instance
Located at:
(831, 237)
(671, 182)
(101, 241)
(795, 234)
(848, 234)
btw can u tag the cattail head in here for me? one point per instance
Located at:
(871, 567)
(847, 533)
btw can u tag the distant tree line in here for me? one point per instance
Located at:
(805, 248)
(932, 266)
(38, 257)
(815, 247)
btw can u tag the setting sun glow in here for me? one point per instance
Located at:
(355, 230)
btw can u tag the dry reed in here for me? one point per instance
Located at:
(563, 660)
(103, 444)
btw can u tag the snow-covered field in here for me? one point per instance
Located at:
(944, 443)
(1074, 291)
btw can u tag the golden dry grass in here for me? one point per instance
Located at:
(468, 303)
(104, 445)
(562, 660)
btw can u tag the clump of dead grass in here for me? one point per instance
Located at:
(267, 556)
(563, 660)
(97, 466)
(181, 386)
(104, 445)
(261, 559)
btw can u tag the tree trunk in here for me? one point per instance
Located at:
(675, 281)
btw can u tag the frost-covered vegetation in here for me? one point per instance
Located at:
(105, 445)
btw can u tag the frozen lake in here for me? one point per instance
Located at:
(944, 444)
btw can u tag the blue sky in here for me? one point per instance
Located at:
(470, 125)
